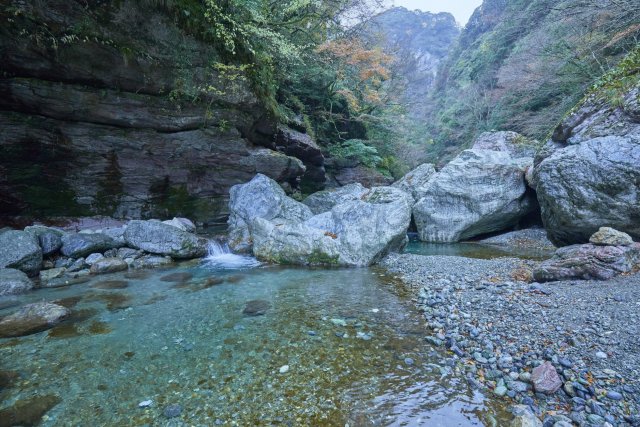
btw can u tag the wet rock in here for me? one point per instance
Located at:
(324, 201)
(151, 261)
(256, 308)
(14, 282)
(524, 417)
(545, 379)
(108, 265)
(183, 224)
(172, 411)
(162, 239)
(20, 250)
(28, 412)
(50, 239)
(125, 253)
(356, 233)
(77, 245)
(47, 276)
(32, 318)
(607, 236)
(177, 277)
(478, 192)
(263, 198)
(587, 262)
(91, 259)
(414, 182)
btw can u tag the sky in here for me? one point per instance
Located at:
(461, 9)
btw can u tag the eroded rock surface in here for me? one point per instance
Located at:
(163, 239)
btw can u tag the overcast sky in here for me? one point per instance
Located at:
(461, 9)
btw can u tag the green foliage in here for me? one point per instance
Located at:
(356, 150)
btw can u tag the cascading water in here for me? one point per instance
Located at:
(220, 257)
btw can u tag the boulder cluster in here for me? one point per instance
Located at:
(41, 256)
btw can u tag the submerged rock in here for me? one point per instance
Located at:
(77, 245)
(108, 265)
(28, 412)
(414, 182)
(256, 307)
(261, 197)
(14, 282)
(588, 262)
(354, 233)
(163, 239)
(32, 318)
(20, 250)
(479, 192)
(324, 201)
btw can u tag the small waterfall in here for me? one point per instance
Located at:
(220, 257)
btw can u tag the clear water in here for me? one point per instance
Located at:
(475, 250)
(352, 340)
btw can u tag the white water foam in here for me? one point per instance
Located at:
(220, 257)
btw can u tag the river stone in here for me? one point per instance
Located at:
(588, 262)
(47, 276)
(354, 233)
(589, 185)
(524, 417)
(108, 265)
(414, 182)
(32, 318)
(93, 258)
(478, 192)
(545, 379)
(509, 142)
(162, 239)
(20, 250)
(77, 245)
(183, 224)
(14, 282)
(608, 236)
(151, 261)
(261, 197)
(256, 307)
(49, 238)
(324, 201)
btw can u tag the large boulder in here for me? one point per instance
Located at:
(20, 250)
(164, 239)
(14, 282)
(510, 142)
(353, 233)
(588, 262)
(415, 181)
(32, 318)
(50, 239)
(77, 245)
(324, 201)
(589, 185)
(261, 197)
(479, 192)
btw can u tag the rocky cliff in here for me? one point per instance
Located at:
(115, 108)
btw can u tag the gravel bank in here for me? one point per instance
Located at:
(499, 327)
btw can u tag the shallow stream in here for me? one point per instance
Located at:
(232, 345)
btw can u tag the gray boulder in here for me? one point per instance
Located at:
(14, 282)
(183, 224)
(108, 265)
(163, 239)
(415, 181)
(590, 185)
(20, 250)
(324, 201)
(524, 417)
(151, 261)
(354, 233)
(509, 142)
(479, 192)
(607, 236)
(588, 262)
(32, 318)
(261, 197)
(50, 239)
(77, 245)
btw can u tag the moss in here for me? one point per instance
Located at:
(318, 257)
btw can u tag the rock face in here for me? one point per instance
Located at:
(345, 175)
(589, 262)
(32, 318)
(353, 233)
(545, 379)
(261, 197)
(480, 191)
(510, 142)
(302, 146)
(14, 282)
(588, 175)
(107, 124)
(20, 250)
(414, 182)
(76, 245)
(324, 201)
(163, 239)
